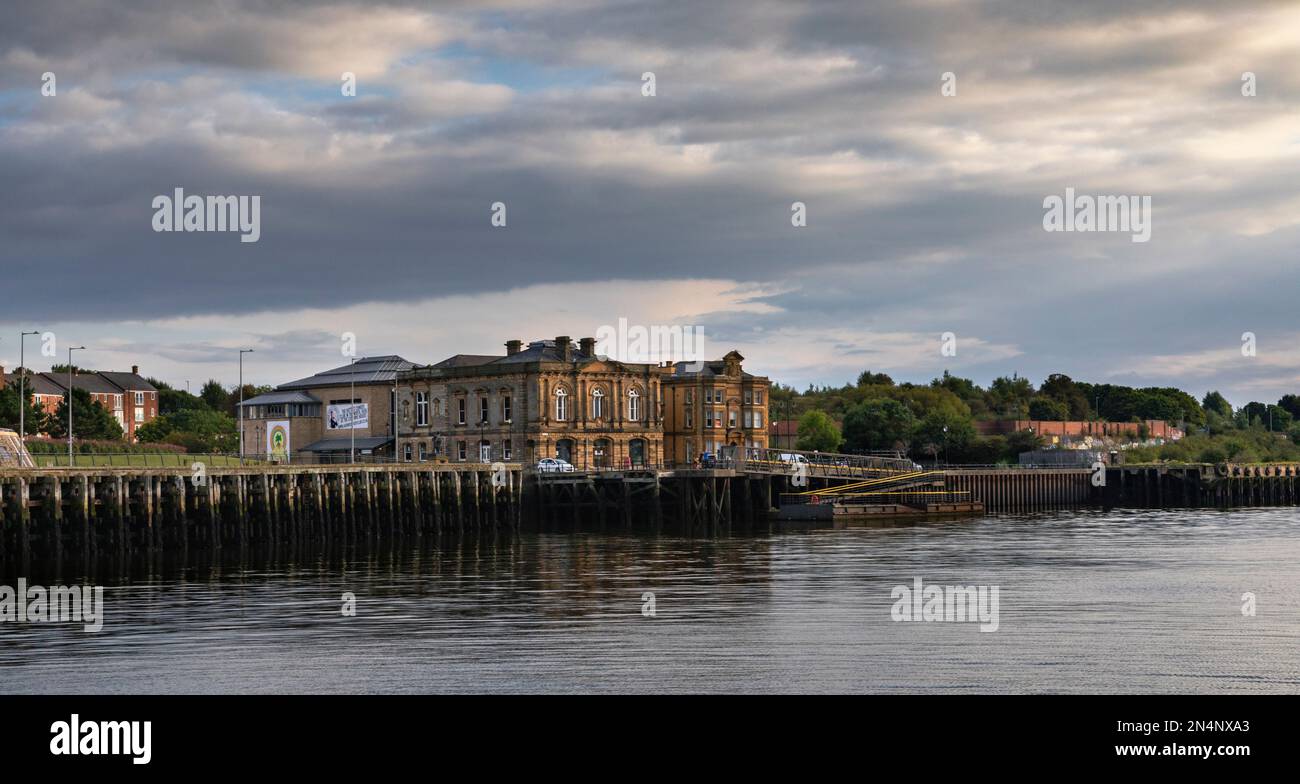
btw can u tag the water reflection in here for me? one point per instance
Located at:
(1119, 602)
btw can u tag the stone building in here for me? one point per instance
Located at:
(329, 416)
(708, 405)
(553, 398)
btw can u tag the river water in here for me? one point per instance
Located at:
(1121, 601)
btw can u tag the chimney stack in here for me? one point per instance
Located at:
(565, 348)
(135, 369)
(588, 346)
(513, 346)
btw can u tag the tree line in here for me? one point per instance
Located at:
(937, 421)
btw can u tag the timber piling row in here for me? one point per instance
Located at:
(50, 512)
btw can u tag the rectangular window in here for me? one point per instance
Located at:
(505, 408)
(758, 419)
(689, 418)
(139, 414)
(483, 409)
(507, 451)
(422, 411)
(758, 398)
(406, 453)
(460, 411)
(424, 451)
(139, 399)
(708, 417)
(690, 397)
(749, 397)
(460, 450)
(749, 419)
(731, 419)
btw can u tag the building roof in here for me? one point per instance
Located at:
(367, 370)
(128, 382)
(346, 444)
(704, 370)
(36, 382)
(91, 382)
(466, 360)
(276, 398)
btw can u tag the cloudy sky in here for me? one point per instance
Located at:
(924, 211)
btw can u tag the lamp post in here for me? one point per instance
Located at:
(70, 350)
(22, 386)
(242, 352)
(352, 401)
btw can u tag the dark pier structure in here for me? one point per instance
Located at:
(1222, 486)
(61, 511)
(57, 511)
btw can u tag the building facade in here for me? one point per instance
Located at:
(127, 396)
(332, 416)
(709, 405)
(553, 398)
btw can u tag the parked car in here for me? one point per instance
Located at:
(794, 462)
(554, 465)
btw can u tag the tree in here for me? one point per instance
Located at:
(1047, 408)
(1061, 387)
(196, 429)
(1214, 402)
(215, 395)
(1292, 405)
(89, 419)
(878, 424)
(1010, 396)
(866, 378)
(951, 434)
(818, 432)
(9, 408)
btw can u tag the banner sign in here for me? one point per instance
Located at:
(347, 416)
(277, 439)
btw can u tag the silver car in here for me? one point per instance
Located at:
(552, 465)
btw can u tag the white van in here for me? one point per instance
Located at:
(793, 460)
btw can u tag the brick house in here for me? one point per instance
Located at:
(129, 398)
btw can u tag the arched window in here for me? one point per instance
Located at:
(561, 404)
(597, 403)
(634, 406)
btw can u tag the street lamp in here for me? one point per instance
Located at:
(242, 352)
(70, 350)
(352, 401)
(22, 378)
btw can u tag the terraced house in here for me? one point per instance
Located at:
(552, 398)
(127, 396)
